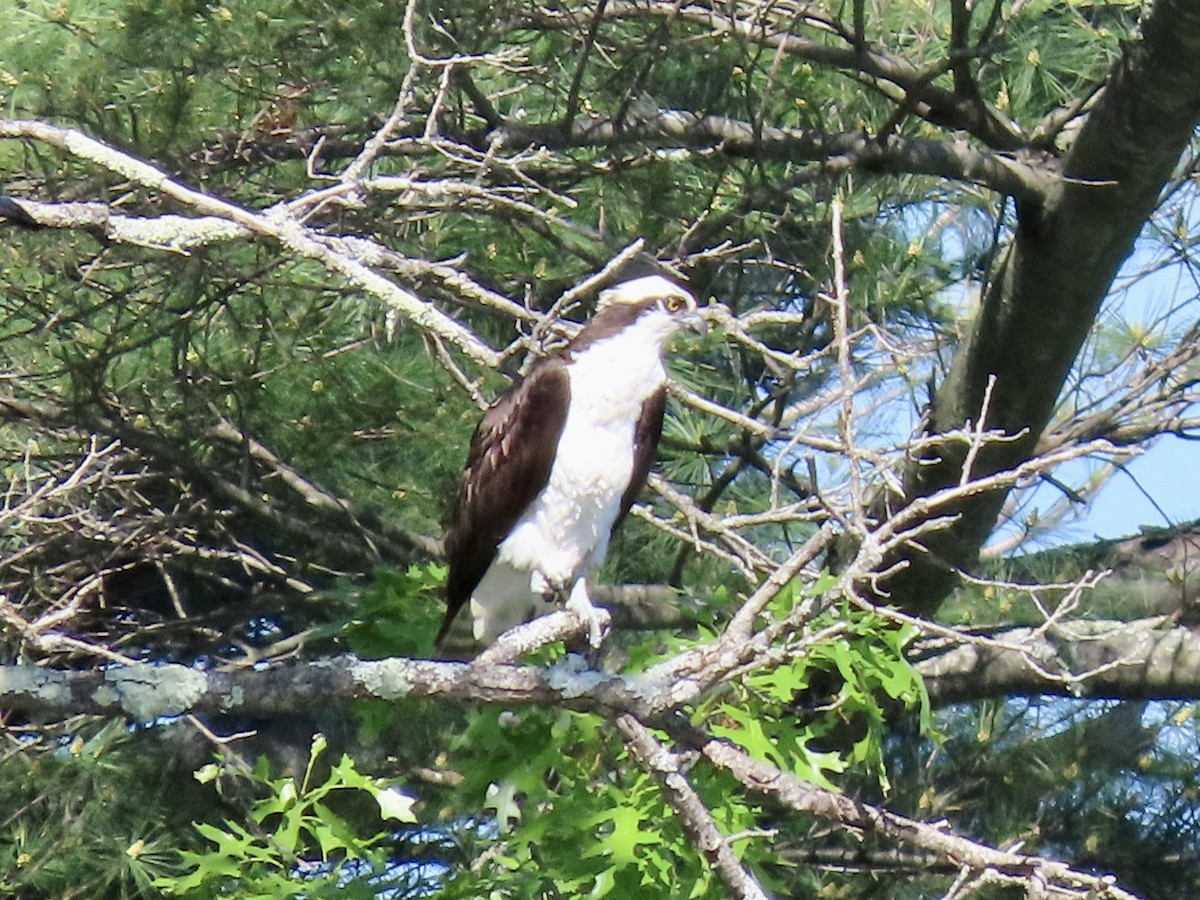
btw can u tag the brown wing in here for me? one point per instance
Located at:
(645, 448)
(508, 464)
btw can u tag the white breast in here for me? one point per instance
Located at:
(566, 530)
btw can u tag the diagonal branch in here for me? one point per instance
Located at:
(666, 769)
(809, 799)
(278, 224)
(1040, 307)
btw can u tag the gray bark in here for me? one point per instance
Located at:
(1113, 660)
(1045, 296)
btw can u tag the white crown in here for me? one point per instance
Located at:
(639, 290)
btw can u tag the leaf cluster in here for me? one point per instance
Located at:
(294, 843)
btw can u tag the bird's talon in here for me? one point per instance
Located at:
(599, 624)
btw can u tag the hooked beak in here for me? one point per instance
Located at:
(694, 321)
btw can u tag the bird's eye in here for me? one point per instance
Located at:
(674, 304)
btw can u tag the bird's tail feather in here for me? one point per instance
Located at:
(456, 642)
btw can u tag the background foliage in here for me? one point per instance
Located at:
(226, 455)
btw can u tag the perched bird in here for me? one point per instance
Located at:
(555, 465)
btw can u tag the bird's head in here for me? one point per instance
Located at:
(651, 303)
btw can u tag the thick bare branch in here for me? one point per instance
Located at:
(667, 770)
(957, 160)
(1149, 659)
(800, 796)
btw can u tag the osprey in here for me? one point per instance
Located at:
(557, 462)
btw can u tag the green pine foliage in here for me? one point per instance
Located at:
(159, 348)
(87, 814)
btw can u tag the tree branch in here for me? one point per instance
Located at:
(1065, 256)
(956, 160)
(697, 821)
(1152, 659)
(277, 223)
(148, 692)
(755, 25)
(808, 799)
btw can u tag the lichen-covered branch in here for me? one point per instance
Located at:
(148, 692)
